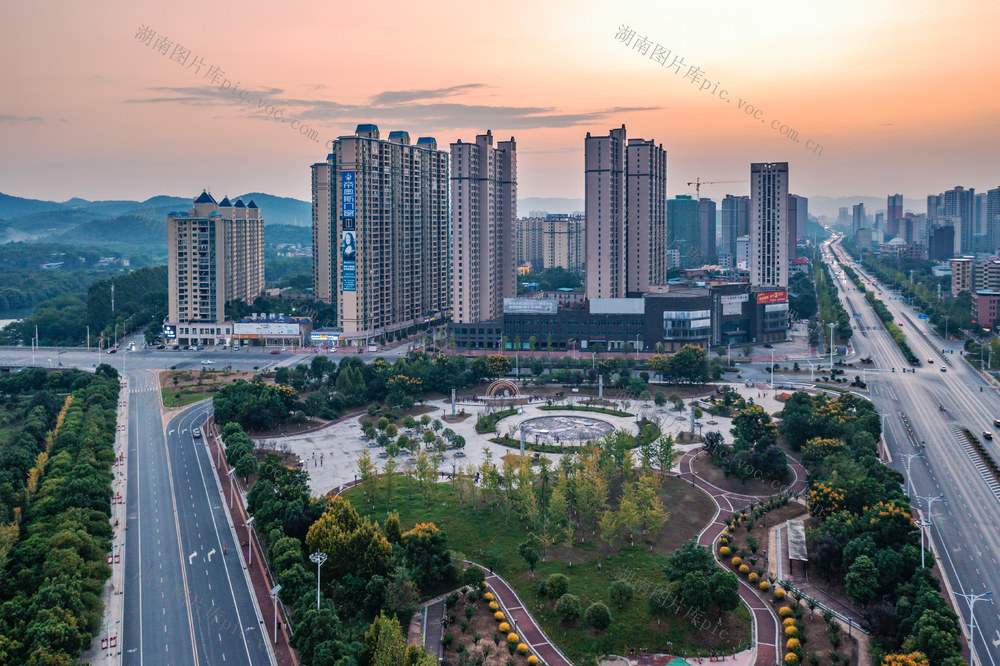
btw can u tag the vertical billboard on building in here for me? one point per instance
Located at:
(349, 241)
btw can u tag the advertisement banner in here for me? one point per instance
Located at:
(766, 297)
(733, 305)
(349, 246)
(170, 331)
(347, 194)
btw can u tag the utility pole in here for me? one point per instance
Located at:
(946, 318)
(909, 480)
(318, 559)
(972, 599)
(832, 326)
(927, 522)
(112, 300)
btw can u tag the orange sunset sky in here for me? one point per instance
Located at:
(903, 96)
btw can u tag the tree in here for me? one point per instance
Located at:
(753, 427)
(694, 590)
(385, 645)
(389, 477)
(621, 592)
(598, 616)
(725, 590)
(427, 556)
(367, 472)
(556, 585)
(246, 465)
(689, 363)
(529, 551)
(912, 659)
(569, 608)
(862, 580)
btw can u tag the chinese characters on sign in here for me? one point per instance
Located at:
(666, 58)
(347, 194)
(349, 240)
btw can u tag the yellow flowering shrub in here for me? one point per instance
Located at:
(498, 616)
(513, 638)
(793, 644)
(522, 648)
(737, 561)
(784, 611)
(753, 577)
(503, 628)
(725, 551)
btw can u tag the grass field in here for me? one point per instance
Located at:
(487, 537)
(186, 395)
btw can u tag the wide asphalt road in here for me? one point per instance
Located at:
(964, 527)
(187, 598)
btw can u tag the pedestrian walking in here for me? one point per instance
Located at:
(223, 550)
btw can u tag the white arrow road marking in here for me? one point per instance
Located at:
(210, 553)
(192, 556)
(171, 431)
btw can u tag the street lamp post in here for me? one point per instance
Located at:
(249, 525)
(318, 559)
(811, 369)
(909, 479)
(972, 599)
(772, 369)
(946, 318)
(927, 522)
(832, 326)
(231, 485)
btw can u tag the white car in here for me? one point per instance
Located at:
(207, 362)
(196, 432)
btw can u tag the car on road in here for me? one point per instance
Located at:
(944, 369)
(930, 360)
(161, 346)
(196, 432)
(987, 435)
(207, 362)
(284, 349)
(275, 351)
(112, 350)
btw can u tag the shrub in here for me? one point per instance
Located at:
(793, 644)
(598, 616)
(504, 628)
(737, 561)
(498, 616)
(532, 660)
(791, 659)
(621, 592)
(764, 585)
(494, 606)
(522, 648)
(725, 551)
(788, 622)
(779, 593)
(784, 611)
(569, 608)
(744, 569)
(488, 596)
(557, 585)
(791, 630)
(753, 577)
(513, 638)
(473, 576)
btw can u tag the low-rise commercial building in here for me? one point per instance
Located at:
(272, 330)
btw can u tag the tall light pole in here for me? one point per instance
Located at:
(832, 326)
(231, 483)
(972, 599)
(927, 522)
(946, 318)
(909, 479)
(249, 525)
(772, 368)
(811, 368)
(318, 559)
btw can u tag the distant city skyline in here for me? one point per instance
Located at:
(98, 107)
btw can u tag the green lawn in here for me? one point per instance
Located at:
(186, 395)
(485, 536)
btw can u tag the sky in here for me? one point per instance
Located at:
(244, 96)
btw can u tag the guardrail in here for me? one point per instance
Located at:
(788, 587)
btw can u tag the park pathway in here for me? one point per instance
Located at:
(765, 622)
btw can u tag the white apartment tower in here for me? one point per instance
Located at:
(215, 254)
(604, 185)
(483, 214)
(380, 225)
(769, 224)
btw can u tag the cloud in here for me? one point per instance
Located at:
(401, 96)
(13, 120)
(401, 108)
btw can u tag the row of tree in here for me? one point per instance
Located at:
(50, 596)
(866, 534)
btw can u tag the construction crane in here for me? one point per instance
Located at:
(698, 182)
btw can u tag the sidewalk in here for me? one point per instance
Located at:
(259, 574)
(113, 596)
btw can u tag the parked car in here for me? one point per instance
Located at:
(207, 362)
(161, 346)
(275, 351)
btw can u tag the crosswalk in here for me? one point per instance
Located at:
(144, 389)
(977, 462)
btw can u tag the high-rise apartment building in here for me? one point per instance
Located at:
(385, 230)
(960, 204)
(993, 220)
(792, 209)
(735, 221)
(893, 214)
(801, 217)
(859, 220)
(626, 228)
(979, 213)
(706, 229)
(215, 254)
(550, 242)
(483, 211)
(604, 185)
(645, 215)
(769, 224)
(682, 230)
(843, 217)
